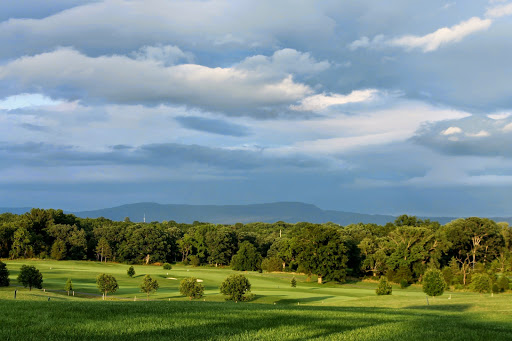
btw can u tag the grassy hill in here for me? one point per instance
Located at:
(330, 311)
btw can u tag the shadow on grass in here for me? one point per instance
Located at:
(442, 307)
(304, 300)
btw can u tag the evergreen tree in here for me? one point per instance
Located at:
(30, 277)
(384, 288)
(4, 275)
(69, 286)
(131, 271)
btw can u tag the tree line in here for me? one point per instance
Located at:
(402, 250)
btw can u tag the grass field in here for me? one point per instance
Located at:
(350, 311)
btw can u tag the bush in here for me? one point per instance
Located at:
(495, 288)
(195, 261)
(404, 284)
(293, 282)
(191, 288)
(272, 264)
(384, 288)
(235, 287)
(480, 283)
(503, 283)
(4, 275)
(433, 282)
(167, 266)
(30, 277)
(131, 271)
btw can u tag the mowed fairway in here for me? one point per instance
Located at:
(350, 311)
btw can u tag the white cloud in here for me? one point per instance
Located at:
(451, 131)
(442, 36)
(499, 116)
(507, 128)
(165, 54)
(322, 101)
(499, 11)
(481, 133)
(124, 80)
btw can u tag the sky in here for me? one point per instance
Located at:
(384, 107)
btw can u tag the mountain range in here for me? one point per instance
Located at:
(290, 212)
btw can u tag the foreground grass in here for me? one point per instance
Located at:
(332, 312)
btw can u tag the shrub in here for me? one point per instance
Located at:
(272, 264)
(404, 284)
(503, 283)
(4, 275)
(191, 288)
(384, 288)
(195, 261)
(30, 277)
(480, 283)
(167, 266)
(495, 288)
(131, 271)
(235, 287)
(433, 282)
(293, 282)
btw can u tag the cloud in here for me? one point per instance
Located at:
(451, 131)
(66, 73)
(442, 36)
(213, 126)
(481, 133)
(322, 101)
(499, 116)
(499, 11)
(26, 100)
(164, 54)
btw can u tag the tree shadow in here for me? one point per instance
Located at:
(303, 300)
(441, 307)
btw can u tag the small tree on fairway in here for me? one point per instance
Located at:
(106, 283)
(191, 288)
(433, 282)
(384, 288)
(4, 275)
(131, 271)
(69, 285)
(148, 285)
(235, 287)
(480, 283)
(30, 277)
(293, 282)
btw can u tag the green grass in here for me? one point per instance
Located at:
(350, 311)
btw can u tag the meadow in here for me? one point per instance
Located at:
(350, 311)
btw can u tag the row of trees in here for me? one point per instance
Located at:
(402, 250)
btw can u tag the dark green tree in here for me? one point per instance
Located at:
(149, 285)
(247, 258)
(221, 244)
(293, 282)
(131, 271)
(21, 246)
(433, 282)
(235, 287)
(191, 288)
(4, 275)
(106, 283)
(30, 277)
(167, 266)
(58, 250)
(503, 283)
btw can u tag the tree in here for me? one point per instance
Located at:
(4, 275)
(433, 282)
(30, 277)
(235, 287)
(247, 258)
(384, 288)
(21, 244)
(167, 266)
(58, 250)
(103, 250)
(106, 283)
(293, 282)
(221, 245)
(148, 285)
(69, 286)
(131, 271)
(191, 288)
(480, 283)
(503, 283)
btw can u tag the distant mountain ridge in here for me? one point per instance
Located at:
(290, 212)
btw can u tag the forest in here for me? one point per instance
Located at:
(402, 250)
